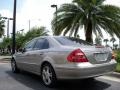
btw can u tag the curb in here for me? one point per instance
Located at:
(114, 74)
(5, 57)
(5, 60)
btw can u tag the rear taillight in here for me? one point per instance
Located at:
(77, 56)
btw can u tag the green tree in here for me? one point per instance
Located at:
(106, 41)
(6, 42)
(2, 25)
(35, 32)
(92, 15)
(113, 41)
(21, 38)
(116, 46)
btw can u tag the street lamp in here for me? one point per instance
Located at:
(55, 6)
(29, 25)
(8, 19)
(14, 28)
(22, 31)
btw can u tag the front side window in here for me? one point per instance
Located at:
(29, 46)
(41, 44)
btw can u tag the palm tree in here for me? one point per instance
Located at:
(1, 26)
(98, 40)
(116, 46)
(113, 41)
(92, 15)
(106, 41)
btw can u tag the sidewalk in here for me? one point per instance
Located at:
(112, 77)
(5, 58)
(114, 74)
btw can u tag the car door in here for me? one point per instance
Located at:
(37, 54)
(23, 58)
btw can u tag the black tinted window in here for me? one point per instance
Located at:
(41, 44)
(46, 44)
(69, 41)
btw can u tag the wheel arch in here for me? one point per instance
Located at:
(46, 62)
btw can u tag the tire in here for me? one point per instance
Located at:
(14, 66)
(48, 75)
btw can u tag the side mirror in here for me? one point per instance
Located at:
(22, 50)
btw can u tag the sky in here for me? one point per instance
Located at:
(39, 12)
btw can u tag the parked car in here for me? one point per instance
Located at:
(58, 57)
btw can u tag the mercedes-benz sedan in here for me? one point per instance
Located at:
(58, 57)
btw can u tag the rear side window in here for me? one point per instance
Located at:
(69, 41)
(41, 44)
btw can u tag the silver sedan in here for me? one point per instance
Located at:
(57, 57)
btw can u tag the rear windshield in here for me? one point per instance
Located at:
(70, 41)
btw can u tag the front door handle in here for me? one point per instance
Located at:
(41, 53)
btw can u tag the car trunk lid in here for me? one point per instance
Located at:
(94, 54)
(97, 55)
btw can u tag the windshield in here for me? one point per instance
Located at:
(70, 41)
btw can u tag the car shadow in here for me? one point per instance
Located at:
(35, 82)
(83, 85)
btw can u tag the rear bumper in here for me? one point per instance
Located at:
(84, 70)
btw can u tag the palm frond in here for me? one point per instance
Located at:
(93, 15)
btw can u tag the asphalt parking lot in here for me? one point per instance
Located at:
(27, 81)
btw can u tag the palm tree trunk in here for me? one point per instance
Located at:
(88, 32)
(106, 43)
(113, 45)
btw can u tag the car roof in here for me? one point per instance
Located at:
(49, 36)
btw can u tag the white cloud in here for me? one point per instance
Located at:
(113, 2)
(38, 12)
(6, 13)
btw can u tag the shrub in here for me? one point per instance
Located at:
(118, 67)
(118, 56)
